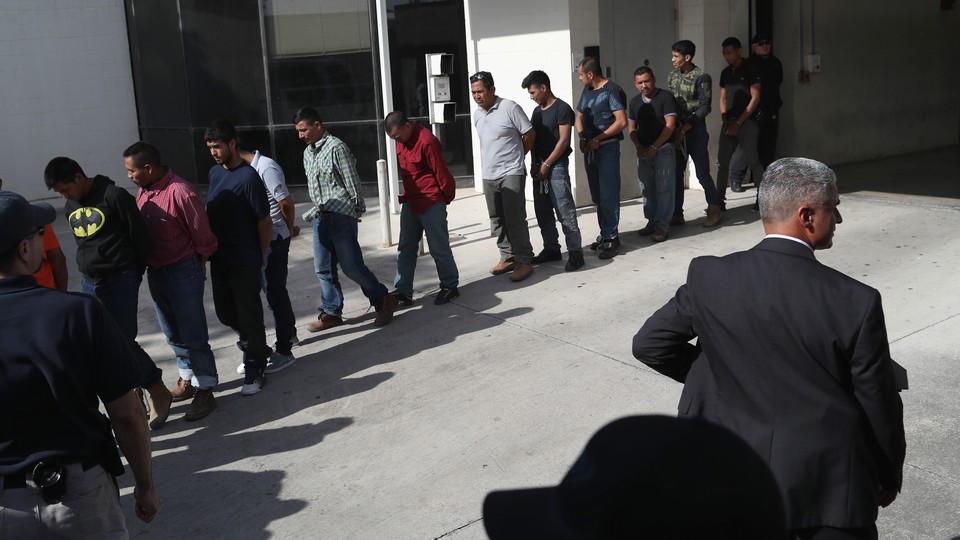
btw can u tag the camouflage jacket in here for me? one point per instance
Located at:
(694, 90)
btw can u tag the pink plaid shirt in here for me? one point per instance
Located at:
(177, 221)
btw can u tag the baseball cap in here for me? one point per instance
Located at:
(757, 38)
(648, 477)
(19, 219)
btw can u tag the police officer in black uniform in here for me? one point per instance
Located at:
(59, 353)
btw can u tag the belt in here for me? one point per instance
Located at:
(19, 480)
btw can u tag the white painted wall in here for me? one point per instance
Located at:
(509, 39)
(889, 81)
(66, 88)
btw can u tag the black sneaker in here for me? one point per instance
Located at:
(402, 299)
(574, 261)
(608, 248)
(445, 295)
(547, 255)
(596, 245)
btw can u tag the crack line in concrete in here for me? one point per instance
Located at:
(925, 328)
(947, 479)
(637, 365)
(458, 528)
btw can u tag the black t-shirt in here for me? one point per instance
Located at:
(771, 76)
(61, 352)
(649, 116)
(236, 202)
(737, 83)
(546, 124)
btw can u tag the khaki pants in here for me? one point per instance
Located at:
(90, 509)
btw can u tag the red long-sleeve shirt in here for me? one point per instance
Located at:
(426, 179)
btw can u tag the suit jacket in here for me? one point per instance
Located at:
(793, 357)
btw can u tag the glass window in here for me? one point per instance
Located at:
(158, 70)
(224, 61)
(339, 86)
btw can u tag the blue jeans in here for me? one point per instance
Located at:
(558, 200)
(278, 299)
(119, 294)
(658, 184)
(603, 176)
(696, 144)
(335, 243)
(433, 223)
(177, 291)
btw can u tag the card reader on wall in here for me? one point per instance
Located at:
(812, 63)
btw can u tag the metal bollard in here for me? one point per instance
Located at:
(384, 190)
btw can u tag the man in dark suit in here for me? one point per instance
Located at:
(795, 360)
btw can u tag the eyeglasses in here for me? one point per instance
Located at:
(38, 231)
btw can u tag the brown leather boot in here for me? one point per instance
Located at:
(714, 214)
(502, 267)
(521, 271)
(184, 390)
(203, 404)
(160, 400)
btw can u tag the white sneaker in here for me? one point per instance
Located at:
(279, 362)
(251, 388)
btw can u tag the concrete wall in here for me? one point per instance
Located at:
(65, 89)
(888, 83)
(509, 39)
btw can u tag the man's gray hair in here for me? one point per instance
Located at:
(790, 183)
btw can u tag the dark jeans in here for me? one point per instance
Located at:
(335, 243)
(557, 201)
(603, 177)
(746, 139)
(278, 299)
(236, 298)
(768, 129)
(177, 291)
(507, 208)
(695, 142)
(119, 294)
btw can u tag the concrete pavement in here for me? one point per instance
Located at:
(399, 432)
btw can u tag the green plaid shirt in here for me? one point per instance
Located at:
(332, 178)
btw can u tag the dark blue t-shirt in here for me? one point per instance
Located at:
(650, 116)
(60, 352)
(597, 108)
(236, 202)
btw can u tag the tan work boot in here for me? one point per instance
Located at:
(521, 271)
(203, 404)
(714, 213)
(184, 390)
(502, 267)
(160, 400)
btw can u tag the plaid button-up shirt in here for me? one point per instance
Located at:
(332, 178)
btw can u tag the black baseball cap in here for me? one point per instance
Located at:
(648, 477)
(19, 219)
(757, 38)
